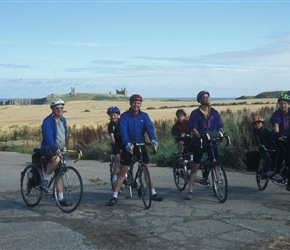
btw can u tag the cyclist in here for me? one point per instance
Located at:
(280, 120)
(204, 118)
(133, 125)
(115, 137)
(54, 139)
(262, 138)
(181, 128)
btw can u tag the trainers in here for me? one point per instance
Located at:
(112, 201)
(64, 203)
(288, 187)
(156, 197)
(189, 196)
(277, 177)
(44, 185)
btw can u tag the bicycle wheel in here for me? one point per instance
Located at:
(262, 178)
(220, 182)
(180, 176)
(145, 186)
(30, 185)
(71, 182)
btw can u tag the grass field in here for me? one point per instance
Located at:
(80, 113)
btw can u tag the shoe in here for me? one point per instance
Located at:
(44, 185)
(112, 201)
(156, 197)
(288, 187)
(64, 203)
(277, 177)
(189, 196)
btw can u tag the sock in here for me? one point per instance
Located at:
(60, 196)
(115, 194)
(153, 191)
(190, 190)
(114, 178)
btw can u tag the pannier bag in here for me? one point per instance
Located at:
(253, 160)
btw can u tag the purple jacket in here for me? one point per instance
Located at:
(198, 121)
(282, 120)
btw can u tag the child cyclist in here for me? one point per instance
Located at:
(262, 139)
(280, 120)
(179, 129)
(115, 137)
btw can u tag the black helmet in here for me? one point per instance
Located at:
(113, 109)
(135, 98)
(201, 93)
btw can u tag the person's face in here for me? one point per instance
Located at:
(205, 99)
(284, 105)
(136, 105)
(180, 117)
(58, 110)
(114, 117)
(258, 125)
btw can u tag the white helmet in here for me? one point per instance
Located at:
(56, 101)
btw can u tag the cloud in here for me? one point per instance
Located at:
(14, 66)
(84, 44)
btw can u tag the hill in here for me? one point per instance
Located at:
(268, 94)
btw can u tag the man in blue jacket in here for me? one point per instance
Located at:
(134, 123)
(54, 138)
(203, 119)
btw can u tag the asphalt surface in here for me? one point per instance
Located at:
(249, 219)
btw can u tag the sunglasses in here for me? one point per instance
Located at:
(257, 123)
(58, 108)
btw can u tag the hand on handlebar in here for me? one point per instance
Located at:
(154, 144)
(129, 147)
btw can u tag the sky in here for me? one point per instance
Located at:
(158, 49)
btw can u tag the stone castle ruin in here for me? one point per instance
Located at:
(123, 91)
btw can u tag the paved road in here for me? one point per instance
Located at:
(249, 219)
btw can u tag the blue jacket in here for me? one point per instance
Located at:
(49, 133)
(133, 128)
(282, 120)
(198, 121)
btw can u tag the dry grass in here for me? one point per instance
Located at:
(79, 113)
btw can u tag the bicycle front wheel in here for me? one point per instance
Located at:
(180, 176)
(30, 185)
(220, 182)
(262, 178)
(68, 181)
(145, 186)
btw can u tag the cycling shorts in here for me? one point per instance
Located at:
(198, 152)
(126, 156)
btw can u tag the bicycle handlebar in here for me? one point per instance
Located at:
(79, 151)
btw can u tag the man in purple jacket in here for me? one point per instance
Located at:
(203, 119)
(134, 123)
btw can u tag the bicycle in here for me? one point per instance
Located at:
(181, 168)
(70, 179)
(140, 181)
(263, 177)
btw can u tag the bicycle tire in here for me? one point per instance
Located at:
(30, 187)
(262, 183)
(145, 186)
(220, 182)
(180, 176)
(72, 188)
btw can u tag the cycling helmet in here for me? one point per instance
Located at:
(200, 94)
(113, 109)
(135, 98)
(258, 118)
(180, 111)
(56, 101)
(284, 97)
